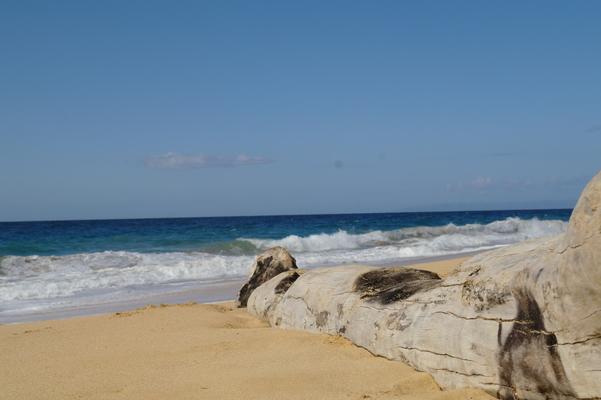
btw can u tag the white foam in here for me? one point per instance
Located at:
(42, 282)
(36, 277)
(443, 239)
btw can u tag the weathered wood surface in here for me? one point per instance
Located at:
(268, 265)
(522, 321)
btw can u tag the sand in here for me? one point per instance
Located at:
(199, 351)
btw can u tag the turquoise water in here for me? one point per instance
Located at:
(45, 265)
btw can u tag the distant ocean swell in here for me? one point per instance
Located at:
(31, 278)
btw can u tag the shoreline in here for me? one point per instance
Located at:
(203, 293)
(201, 351)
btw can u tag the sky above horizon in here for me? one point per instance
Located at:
(165, 109)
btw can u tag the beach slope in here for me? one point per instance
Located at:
(198, 351)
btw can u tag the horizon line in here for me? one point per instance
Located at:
(283, 215)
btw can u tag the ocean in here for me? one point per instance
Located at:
(67, 265)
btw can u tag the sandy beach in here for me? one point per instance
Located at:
(199, 351)
(300, 200)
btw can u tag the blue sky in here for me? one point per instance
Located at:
(161, 109)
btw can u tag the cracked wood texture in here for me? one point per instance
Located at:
(521, 322)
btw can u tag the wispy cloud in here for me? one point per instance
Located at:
(479, 183)
(488, 184)
(180, 161)
(566, 182)
(594, 129)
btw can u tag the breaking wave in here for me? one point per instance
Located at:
(33, 278)
(424, 240)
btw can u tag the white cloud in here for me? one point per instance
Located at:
(179, 161)
(479, 183)
(483, 184)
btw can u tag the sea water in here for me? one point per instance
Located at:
(54, 265)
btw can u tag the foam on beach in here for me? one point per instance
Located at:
(36, 283)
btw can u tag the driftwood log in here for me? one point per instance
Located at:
(521, 322)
